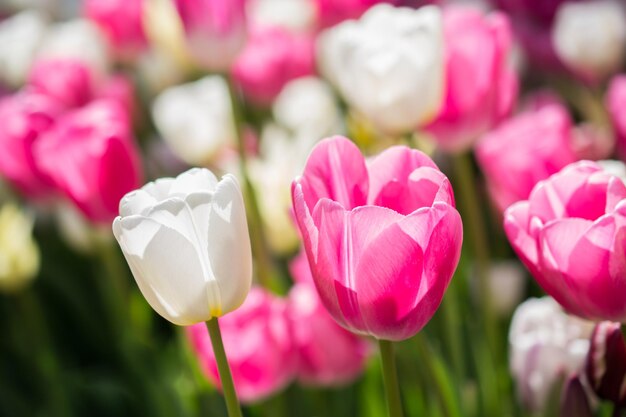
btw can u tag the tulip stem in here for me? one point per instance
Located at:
(390, 376)
(232, 402)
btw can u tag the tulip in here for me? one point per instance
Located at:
(481, 86)
(195, 119)
(215, 30)
(389, 65)
(606, 362)
(186, 242)
(257, 339)
(569, 235)
(271, 58)
(525, 150)
(545, 345)
(506, 284)
(382, 241)
(294, 15)
(537, 11)
(616, 103)
(68, 81)
(92, 159)
(331, 12)
(26, 117)
(121, 23)
(590, 37)
(19, 254)
(20, 36)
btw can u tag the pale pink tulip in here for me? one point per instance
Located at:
(481, 86)
(69, 81)
(92, 158)
(525, 150)
(258, 346)
(570, 235)
(382, 241)
(25, 117)
(616, 105)
(272, 58)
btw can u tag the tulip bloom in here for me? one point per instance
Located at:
(481, 86)
(616, 103)
(256, 336)
(382, 241)
(569, 234)
(606, 362)
(19, 253)
(69, 81)
(186, 242)
(92, 159)
(331, 12)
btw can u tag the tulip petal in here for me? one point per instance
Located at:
(193, 180)
(516, 227)
(136, 202)
(616, 192)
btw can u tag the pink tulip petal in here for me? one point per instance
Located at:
(516, 227)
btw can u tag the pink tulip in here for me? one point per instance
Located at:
(570, 235)
(525, 150)
(382, 241)
(25, 117)
(69, 81)
(331, 12)
(616, 105)
(215, 30)
(273, 57)
(481, 86)
(91, 157)
(538, 11)
(119, 88)
(258, 346)
(121, 23)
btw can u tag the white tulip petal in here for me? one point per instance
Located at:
(136, 202)
(195, 179)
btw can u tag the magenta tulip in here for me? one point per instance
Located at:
(331, 12)
(606, 362)
(570, 235)
(259, 348)
(69, 81)
(616, 105)
(481, 86)
(382, 241)
(92, 159)
(525, 150)
(25, 117)
(271, 58)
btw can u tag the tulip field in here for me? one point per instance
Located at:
(313, 208)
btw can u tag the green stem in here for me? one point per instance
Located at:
(390, 376)
(257, 233)
(232, 402)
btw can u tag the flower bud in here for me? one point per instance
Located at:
(606, 362)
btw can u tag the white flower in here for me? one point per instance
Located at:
(613, 167)
(19, 254)
(20, 36)
(590, 37)
(187, 244)
(389, 65)
(195, 119)
(506, 283)
(546, 344)
(296, 15)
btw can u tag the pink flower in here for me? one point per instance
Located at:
(481, 85)
(92, 159)
(273, 57)
(119, 88)
(69, 81)
(328, 354)
(606, 362)
(121, 23)
(616, 105)
(537, 11)
(215, 30)
(25, 117)
(331, 12)
(258, 346)
(382, 241)
(570, 235)
(525, 150)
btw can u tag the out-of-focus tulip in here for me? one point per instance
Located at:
(92, 159)
(616, 105)
(119, 88)
(389, 65)
(76, 39)
(546, 345)
(272, 57)
(606, 362)
(121, 23)
(569, 234)
(590, 37)
(261, 353)
(507, 281)
(79, 232)
(186, 242)
(215, 30)
(331, 12)
(538, 11)
(19, 254)
(20, 36)
(382, 241)
(481, 86)
(68, 81)
(615, 168)
(295, 15)
(574, 399)
(523, 151)
(25, 116)
(195, 119)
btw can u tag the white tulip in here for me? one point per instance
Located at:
(545, 344)
(187, 244)
(590, 37)
(20, 36)
(195, 119)
(19, 253)
(296, 15)
(389, 65)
